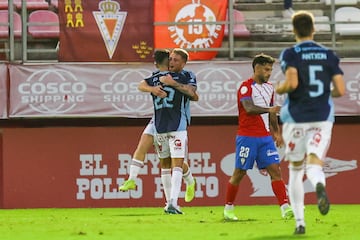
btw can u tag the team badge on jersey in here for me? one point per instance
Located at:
(243, 90)
(298, 132)
(110, 22)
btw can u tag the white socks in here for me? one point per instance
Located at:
(176, 179)
(315, 174)
(135, 167)
(188, 177)
(166, 182)
(296, 193)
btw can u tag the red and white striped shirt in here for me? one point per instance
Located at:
(262, 96)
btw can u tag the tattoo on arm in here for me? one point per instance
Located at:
(187, 89)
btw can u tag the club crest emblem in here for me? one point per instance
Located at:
(110, 22)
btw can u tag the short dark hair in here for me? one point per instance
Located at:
(161, 55)
(303, 23)
(262, 59)
(183, 53)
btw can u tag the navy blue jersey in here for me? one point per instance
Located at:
(316, 65)
(172, 113)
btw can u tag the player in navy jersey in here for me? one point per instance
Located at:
(258, 125)
(312, 78)
(171, 112)
(172, 116)
(147, 140)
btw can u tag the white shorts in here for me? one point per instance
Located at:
(172, 144)
(301, 139)
(150, 128)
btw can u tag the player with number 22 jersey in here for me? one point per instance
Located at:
(168, 118)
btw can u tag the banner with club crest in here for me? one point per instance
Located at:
(106, 31)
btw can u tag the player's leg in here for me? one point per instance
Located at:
(294, 137)
(165, 165)
(269, 159)
(279, 189)
(137, 162)
(245, 153)
(297, 194)
(162, 149)
(189, 181)
(231, 192)
(166, 180)
(319, 140)
(176, 179)
(178, 148)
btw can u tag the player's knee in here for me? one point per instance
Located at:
(237, 176)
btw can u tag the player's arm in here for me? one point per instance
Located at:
(291, 81)
(195, 98)
(155, 90)
(275, 130)
(253, 109)
(187, 89)
(339, 86)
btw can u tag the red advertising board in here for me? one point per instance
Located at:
(83, 167)
(92, 90)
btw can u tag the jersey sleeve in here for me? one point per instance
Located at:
(287, 59)
(336, 66)
(272, 100)
(190, 78)
(245, 91)
(149, 81)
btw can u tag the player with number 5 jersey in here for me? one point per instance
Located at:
(316, 65)
(312, 77)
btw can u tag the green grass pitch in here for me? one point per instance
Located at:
(256, 222)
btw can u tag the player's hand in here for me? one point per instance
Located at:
(263, 172)
(158, 91)
(279, 141)
(275, 109)
(167, 80)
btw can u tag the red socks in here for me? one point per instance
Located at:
(231, 192)
(280, 191)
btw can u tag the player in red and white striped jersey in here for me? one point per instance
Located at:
(258, 125)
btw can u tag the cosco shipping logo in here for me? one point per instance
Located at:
(121, 92)
(217, 88)
(52, 91)
(353, 89)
